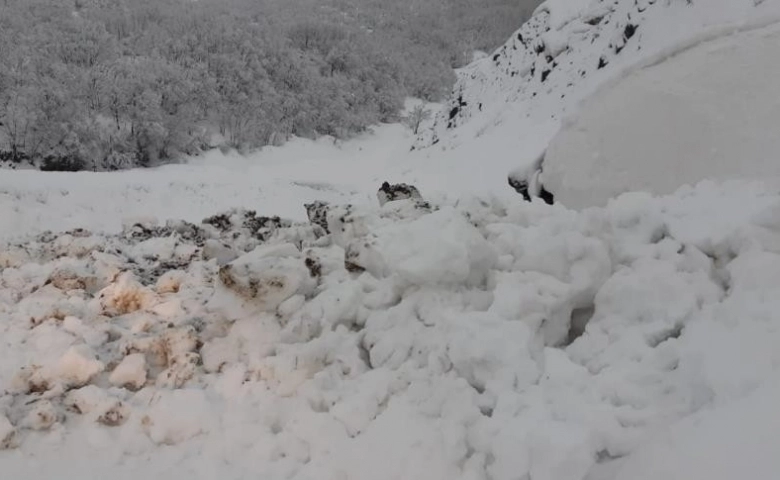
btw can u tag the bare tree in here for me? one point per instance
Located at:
(416, 118)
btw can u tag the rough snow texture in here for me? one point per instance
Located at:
(130, 373)
(439, 343)
(506, 107)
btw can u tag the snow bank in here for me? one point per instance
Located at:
(678, 122)
(505, 108)
(476, 340)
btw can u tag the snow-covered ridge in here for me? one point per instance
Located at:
(436, 341)
(567, 50)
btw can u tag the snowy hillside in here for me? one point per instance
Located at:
(277, 317)
(706, 112)
(513, 101)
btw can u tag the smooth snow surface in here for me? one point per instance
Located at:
(507, 107)
(709, 111)
(720, 443)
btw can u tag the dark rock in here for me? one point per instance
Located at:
(399, 191)
(220, 221)
(455, 110)
(318, 214)
(521, 187)
(629, 31)
(262, 227)
(259, 227)
(548, 197)
(314, 266)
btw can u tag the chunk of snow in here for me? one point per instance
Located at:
(86, 399)
(125, 295)
(440, 248)
(42, 416)
(268, 275)
(131, 372)
(78, 366)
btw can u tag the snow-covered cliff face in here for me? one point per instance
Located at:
(518, 95)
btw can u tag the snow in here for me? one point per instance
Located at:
(130, 373)
(178, 416)
(168, 326)
(506, 108)
(718, 443)
(446, 348)
(562, 11)
(7, 433)
(78, 365)
(668, 125)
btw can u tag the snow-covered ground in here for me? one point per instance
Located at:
(410, 342)
(273, 181)
(461, 337)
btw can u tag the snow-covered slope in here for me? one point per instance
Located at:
(709, 111)
(518, 96)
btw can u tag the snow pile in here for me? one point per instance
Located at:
(474, 340)
(507, 107)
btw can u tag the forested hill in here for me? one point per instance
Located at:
(109, 84)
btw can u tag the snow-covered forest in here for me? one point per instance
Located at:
(94, 84)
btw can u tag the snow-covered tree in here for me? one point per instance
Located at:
(110, 84)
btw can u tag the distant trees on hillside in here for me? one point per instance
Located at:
(111, 84)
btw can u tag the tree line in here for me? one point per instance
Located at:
(112, 84)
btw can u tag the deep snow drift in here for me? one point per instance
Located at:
(413, 341)
(707, 111)
(507, 107)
